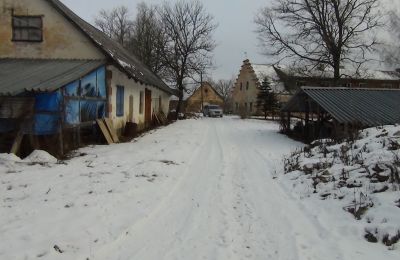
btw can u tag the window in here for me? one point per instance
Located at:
(120, 101)
(27, 28)
(141, 102)
(237, 106)
(160, 104)
(347, 85)
(241, 86)
(251, 106)
(247, 85)
(362, 85)
(245, 106)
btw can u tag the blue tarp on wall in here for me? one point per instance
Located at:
(47, 113)
(76, 110)
(79, 110)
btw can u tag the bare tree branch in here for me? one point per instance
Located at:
(319, 32)
(187, 29)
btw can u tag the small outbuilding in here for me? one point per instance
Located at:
(337, 112)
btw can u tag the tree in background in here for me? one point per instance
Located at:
(116, 23)
(188, 29)
(319, 33)
(391, 50)
(267, 101)
(224, 87)
(147, 40)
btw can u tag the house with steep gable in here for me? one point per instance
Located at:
(204, 95)
(248, 82)
(69, 73)
(287, 81)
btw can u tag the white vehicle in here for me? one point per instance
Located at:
(213, 111)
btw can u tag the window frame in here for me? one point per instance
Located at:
(14, 28)
(120, 101)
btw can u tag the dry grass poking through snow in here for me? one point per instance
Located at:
(362, 174)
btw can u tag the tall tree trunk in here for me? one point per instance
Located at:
(336, 72)
(180, 98)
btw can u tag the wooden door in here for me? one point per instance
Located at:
(147, 107)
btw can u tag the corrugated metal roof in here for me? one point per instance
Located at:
(19, 75)
(129, 63)
(368, 106)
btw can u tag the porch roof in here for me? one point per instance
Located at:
(19, 75)
(369, 107)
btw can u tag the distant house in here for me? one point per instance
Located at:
(203, 95)
(248, 82)
(69, 72)
(286, 81)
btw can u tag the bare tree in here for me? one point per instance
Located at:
(320, 33)
(391, 50)
(147, 40)
(224, 88)
(188, 29)
(115, 23)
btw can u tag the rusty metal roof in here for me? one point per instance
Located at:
(19, 75)
(370, 107)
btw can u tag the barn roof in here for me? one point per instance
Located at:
(370, 107)
(19, 75)
(346, 73)
(125, 60)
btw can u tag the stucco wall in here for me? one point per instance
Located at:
(246, 95)
(131, 87)
(61, 39)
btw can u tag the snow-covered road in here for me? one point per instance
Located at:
(197, 189)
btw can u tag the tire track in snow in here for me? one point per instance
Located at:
(175, 229)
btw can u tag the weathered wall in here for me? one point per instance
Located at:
(61, 39)
(245, 96)
(132, 88)
(210, 97)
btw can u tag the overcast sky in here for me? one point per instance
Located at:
(235, 34)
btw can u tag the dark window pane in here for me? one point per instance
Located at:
(35, 22)
(27, 28)
(120, 101)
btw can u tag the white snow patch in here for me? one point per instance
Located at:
(9, 157)
(39, 156)
(356, 181)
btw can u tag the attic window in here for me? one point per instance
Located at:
(27, 28)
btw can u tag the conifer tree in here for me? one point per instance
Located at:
(266, 99)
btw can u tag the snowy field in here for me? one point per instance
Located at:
(197, 189)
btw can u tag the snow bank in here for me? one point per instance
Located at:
(8, 157)
(39, 156)
(360, 177)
